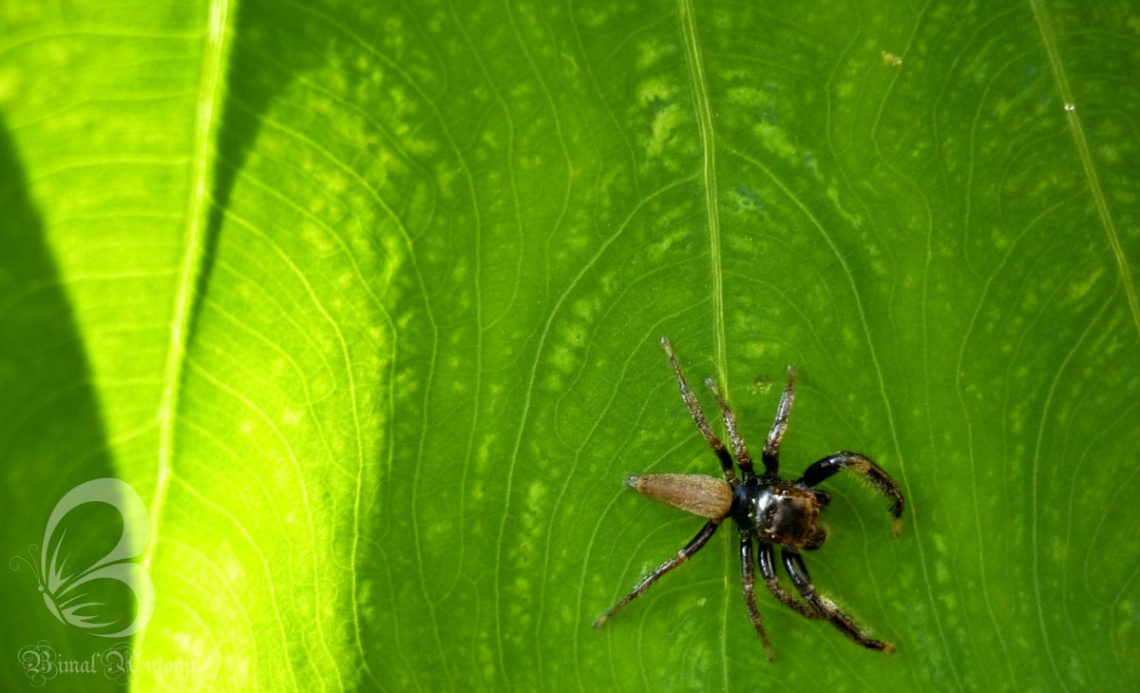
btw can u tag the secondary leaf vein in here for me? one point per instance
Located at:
(1044, 25)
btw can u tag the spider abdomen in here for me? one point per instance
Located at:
(779, 513)
(694, 493)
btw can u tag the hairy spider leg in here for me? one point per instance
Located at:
(698, 542)
(794, 564)
(699, 416)
(766, 559)
(820, 471)
(743, 458)
(748, 578)
(779, 426)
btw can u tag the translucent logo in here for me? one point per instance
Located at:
(74, 583)
(42, 663)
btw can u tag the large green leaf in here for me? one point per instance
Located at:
(363, 300)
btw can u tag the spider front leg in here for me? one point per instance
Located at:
(779, 426)
(748, 578)
(822, 470)
(794, 564)
(699, 416)
(698, 542)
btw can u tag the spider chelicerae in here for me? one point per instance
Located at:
(768, 511)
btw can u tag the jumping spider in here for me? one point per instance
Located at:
(766, 509)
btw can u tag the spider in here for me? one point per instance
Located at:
(767, 510)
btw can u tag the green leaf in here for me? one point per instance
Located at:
(363, 299)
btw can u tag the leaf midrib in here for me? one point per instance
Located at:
(708, 154)
(206, 123)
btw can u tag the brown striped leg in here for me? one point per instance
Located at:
(699, 416)
(698, 542)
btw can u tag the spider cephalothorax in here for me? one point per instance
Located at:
(767, 510)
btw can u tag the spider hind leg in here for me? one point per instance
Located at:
(696, 544)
